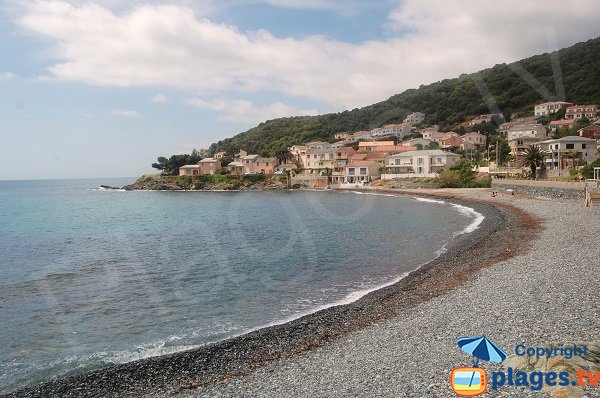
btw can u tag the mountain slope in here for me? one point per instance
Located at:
(446, 103)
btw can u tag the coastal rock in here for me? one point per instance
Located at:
(206, 183)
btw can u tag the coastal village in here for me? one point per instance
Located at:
(412, 150)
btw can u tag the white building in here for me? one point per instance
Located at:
(559, 151)
(527, 130)
(319, 159)
(398, 130)
(418, 164)
(415, 118)
(548, 108)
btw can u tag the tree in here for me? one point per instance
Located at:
(284, 155)
(434, 145)
(534, 158)
(464, 170)
(503, 151)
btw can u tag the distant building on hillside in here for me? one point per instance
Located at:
(487, 118)
(342, 136)
(415, 118)
(397, 130)
(581, 111)
(548, 108)
(368, 146)
(474, 139)
(556, 125)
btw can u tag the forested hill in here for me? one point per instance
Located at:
(446, 103)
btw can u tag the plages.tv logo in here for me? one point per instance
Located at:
(472, 381)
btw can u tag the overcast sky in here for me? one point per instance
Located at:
(101, 88)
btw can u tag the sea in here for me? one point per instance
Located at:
(91, 277)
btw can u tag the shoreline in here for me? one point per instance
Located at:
(239, 356)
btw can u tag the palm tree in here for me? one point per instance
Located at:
(533, 158)
(283, 155)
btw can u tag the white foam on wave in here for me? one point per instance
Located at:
(469, 212)
(430, 200)
(372, 194)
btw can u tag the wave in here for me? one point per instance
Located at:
(469, 212)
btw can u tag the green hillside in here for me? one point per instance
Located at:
(446, 103)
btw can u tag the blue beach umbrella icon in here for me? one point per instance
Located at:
(481, 349)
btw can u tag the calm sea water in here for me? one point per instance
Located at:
(90, 277)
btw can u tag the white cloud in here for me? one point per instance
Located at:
(169, 46)
(7, 75)
(160, 99)
(127, 113)
(242, 111)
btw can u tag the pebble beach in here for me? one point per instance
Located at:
(529, 275)
(545, 295)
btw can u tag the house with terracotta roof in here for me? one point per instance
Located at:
(473, 139)
(394, 148)
(252, 164)
(378, 157)
(342, 158)
(362, 172)
(581, 111)
(368, 146)
(418, 164)
(189, 170)
(591, 131)
(548, 108)
(452, 142)
(556, 125)
(219, 155)
(205, 166)
(320, 159)
(209, 166)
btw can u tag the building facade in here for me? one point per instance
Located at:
(418, 164)
(581, 111)
(548, 108)
(415, 118)
(567, 151)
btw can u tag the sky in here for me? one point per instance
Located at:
(102, 88)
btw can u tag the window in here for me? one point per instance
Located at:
(351, 171)
(583, 146)
(397, 162)
(363, 171)
(420, 161)
(439, 160)
(570, 146)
